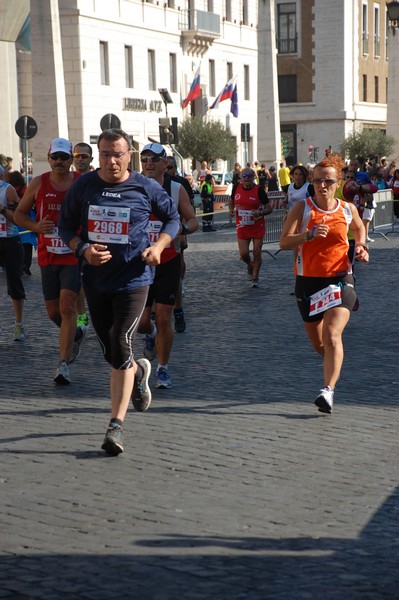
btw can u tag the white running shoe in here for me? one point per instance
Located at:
(325, 400)
(77, 346)
(19, 332)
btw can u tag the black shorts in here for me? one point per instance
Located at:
(12, 253)
(306, 286)
(166, 283)
(59, 277)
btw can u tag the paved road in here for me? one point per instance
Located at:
(232, 486)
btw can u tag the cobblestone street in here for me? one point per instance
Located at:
(233, 485)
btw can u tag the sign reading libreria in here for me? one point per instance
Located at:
(141, 105)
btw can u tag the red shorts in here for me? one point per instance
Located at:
(249, 232)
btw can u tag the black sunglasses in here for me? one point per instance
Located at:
(60, 156)
(153, 159)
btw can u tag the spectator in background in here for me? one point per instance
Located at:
(207, 199)
(273, 181)
(263, 177)
(82, 158)
(300, 188)
(394, 185)
(284, 177)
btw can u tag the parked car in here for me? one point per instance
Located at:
(223, 181)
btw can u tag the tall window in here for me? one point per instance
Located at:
(364, 88)
(128, 66)
(172, 73)
(104, 63)
(286, 28)
(287, 88)
(229, 70)
(377, 48)
(376, 89)
(227, 8)
(245, 12)
(246, 83)
(212, 78)
(365, 29)
(152, 81)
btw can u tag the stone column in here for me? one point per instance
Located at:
(48, 85)
(269, 142)
(393, 90)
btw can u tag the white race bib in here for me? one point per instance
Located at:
(325, 299)
(54, 243)
(246, 217)
(108, 224)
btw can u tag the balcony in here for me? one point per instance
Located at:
(287, 46)
(198, 28)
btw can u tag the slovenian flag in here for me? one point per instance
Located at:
(234, 102)
(195, 89)
(225, 94)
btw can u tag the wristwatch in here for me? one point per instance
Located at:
(185, 229)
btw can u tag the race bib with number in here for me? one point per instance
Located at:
(246, 217)
(153, 230)
(324, 299)
(108, 224)
(54, 243)
(3, 226)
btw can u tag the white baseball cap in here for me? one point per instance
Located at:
(156, 149)
(60, 145)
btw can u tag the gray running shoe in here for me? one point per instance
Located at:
(163, 380)
(63, 376)
(113, 441)
(254, 283)
(19, 332)
(141, 395)
(77, 346)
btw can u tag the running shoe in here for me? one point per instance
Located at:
(19, 332)
(63, 376)
(141, 395)
(369, 239)
(77, 346)
(82, 320)
(163, 380)
(255, 283)
(113, 441)
(149, 349)
(324, 400)
(180, 323)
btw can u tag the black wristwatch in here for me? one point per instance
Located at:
(185, 229)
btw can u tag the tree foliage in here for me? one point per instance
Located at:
(208, 141)
(367, 143)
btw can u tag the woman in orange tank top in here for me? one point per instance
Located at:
(316, 228)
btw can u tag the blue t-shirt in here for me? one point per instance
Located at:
(117, 216)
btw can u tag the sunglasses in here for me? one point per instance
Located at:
(247, 176)
(153, 159)
(169, 168)
(81, 155)
(60, 156)
(350, 178)
(326, 181)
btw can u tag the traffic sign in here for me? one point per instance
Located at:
(110, 121)
(26, 127)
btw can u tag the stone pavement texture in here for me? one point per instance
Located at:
(232, 485)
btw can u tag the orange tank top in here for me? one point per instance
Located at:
(325, 257)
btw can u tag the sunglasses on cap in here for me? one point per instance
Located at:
(60, 156)
(151, 159)
(81, 155)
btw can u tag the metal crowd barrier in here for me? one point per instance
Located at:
(384, 217)
(275, 221)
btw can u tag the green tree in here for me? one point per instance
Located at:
(367, 143)
(208, 141)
